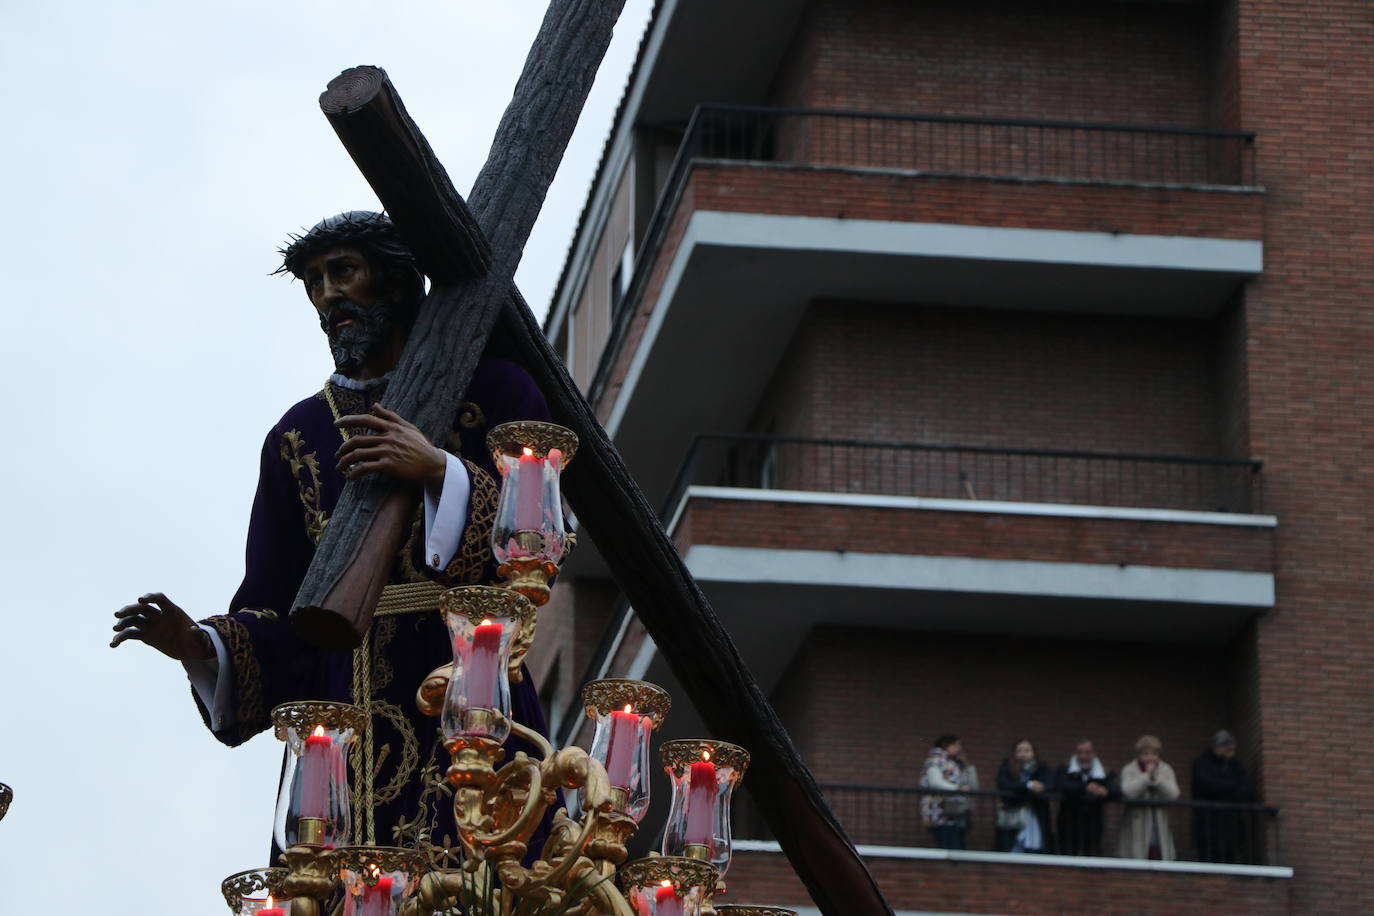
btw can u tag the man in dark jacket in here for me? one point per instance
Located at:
(1085, 785)
(1221, 835)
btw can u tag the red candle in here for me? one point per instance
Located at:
(620, 750)
(271, 909)
(317, 763)
(377, 900)
(483, 664)
(529, 493)
(701, 805)
(666, 901)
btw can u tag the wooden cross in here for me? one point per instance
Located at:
(470, 252)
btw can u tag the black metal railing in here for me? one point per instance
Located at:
(967, 472)
(932, 144)
(993, 147)
(1222, 832)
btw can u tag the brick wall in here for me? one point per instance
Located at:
(977, 887)
(1306, 85)
(1049, 539)
(897, 372)
(1140, 63)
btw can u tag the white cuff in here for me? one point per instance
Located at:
(212, 680)
(446, 515)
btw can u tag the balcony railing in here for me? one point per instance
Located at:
(990, 147)
(971, 473)
(1002, 148)
(1221, 832)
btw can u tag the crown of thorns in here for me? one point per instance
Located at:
(356, 227)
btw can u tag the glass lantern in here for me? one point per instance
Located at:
(528, 537)
(249, 893)
(704, 774)
(312, 806)
(626, 713)
(378, 880)
(667, 885)
(483, 622)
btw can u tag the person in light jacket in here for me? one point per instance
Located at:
(947, 816)
(1145, 828)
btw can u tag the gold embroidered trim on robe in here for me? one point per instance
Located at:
(292, 452)
(250, 716)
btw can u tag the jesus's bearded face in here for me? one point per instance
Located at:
(362, 324)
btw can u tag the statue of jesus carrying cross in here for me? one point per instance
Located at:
(363, 281)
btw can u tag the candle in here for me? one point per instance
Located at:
(271, 909)
(620, 750)
(377, 900)
(317, 765)
(666, 901)
(483, 665)
(701, 805)
(529, 493)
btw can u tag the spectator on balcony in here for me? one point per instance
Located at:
(1145, 828)
(1023, 818)
(1222, 836)
(1084, 785)
(948, 814)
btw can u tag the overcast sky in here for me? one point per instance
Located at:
(155, 155)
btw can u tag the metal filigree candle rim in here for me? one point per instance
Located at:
(304, 715)
(600, 698)
(682, 753)
(371, 862)
(479, 602)
(682, 873)
(749, 909)
(539, 437)
(250, 883)
(6, 796)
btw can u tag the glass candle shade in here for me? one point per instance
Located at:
(250, 892)
(626, 712)
(529, 534)
(703, 774)
(312, 806)
(377, 880)
(483, 623)
(667, 885)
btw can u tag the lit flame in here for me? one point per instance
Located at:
(528, 451)
(270, 903)
(705, 755)
(376, 870)
(628, 707)
(666, 883)
(319, 731)
(486, 621)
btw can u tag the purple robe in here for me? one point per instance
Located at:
(298, 487)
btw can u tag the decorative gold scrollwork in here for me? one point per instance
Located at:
(255, 882)
(749, 909)
(477, 602)
(601, 697)
(539, 437)
(682, 753)
(306, 714)
(678, 871)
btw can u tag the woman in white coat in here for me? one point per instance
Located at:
(1145, 828)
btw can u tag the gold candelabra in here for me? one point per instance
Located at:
(581, 868)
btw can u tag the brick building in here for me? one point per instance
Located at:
(1001, 368)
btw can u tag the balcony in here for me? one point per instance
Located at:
(782, 531)
(765, 211)
(1226, 833)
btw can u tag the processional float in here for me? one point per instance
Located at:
(582, 868)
